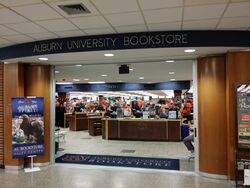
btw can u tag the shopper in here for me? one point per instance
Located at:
(189, 139)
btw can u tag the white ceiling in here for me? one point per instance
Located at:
(31, 20)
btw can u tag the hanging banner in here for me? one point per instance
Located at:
(27, 126)
(243, 115)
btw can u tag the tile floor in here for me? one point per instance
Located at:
(81, 142)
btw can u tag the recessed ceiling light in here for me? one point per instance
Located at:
(85, 79)
(57, 71)
(131, 69)
(64, 83)
(104, 75)
(119, 80)
(189, 50)
(100, 82)
(171, 73)
(43, 58)
(169, 61)
(141, 78)
(78, 65)
(76, 80)
(172, 79)
(108, 55)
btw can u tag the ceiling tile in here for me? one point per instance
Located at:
(163, 15)
(27, 27)
(72, 33)
(165, 26)
(4, 42)
(90, 22)
(239, 1)
(57, 25)
(37, 12)
(203, 2)
(238, 9)
(6, 31)
(10, 3)
(131, 28)
(8, 16)
(132, 18)
(43, 36)
(200, 24)
(19, 38)
(86, 3)
(203, 12)
(116, 6)
(155, 4)
(240, 22)
(99, 31)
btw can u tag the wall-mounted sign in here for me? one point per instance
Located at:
(243, 115)
(27, 126)
(160, 39)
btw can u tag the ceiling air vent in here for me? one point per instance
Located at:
(74, 9)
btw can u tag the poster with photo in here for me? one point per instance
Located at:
(243, 115)
(27, 126)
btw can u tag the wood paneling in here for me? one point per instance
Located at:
(13, 87)
(237, 70)
(212, 115)
(1, 116)
(37, 83)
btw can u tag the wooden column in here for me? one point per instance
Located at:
(237, 70)
(37, 83)
(1, 116)
(13, 87)
(212, 115)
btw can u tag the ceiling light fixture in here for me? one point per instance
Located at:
(189, 50)
(169, 61)
(171, 73)
(64, 83)
(43, 58)
(104, 75)
(76, 80)
(141, 78)
(78, 65)
(99, 82)
(131, 69)
(172, 79)
(57, 71)
(85, 79)
(108, 55)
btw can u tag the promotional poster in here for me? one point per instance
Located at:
(27, 126)
(243, 115)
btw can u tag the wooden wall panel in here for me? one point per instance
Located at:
(237, 70)
(37, 83)
(1, 117)
(212, 115)
(13, 87)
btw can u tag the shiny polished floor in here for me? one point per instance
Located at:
(81, 142)
(79, 176)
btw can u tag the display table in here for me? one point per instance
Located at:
(142, 129)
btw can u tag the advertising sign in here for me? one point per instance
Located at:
(27, 126)
(243, 115)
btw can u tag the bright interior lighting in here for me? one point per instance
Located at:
(189, 50)
(101, 82)
(57, 71)
(131, 69)
(104, 75)
(85, 79)
(109, 55)
(78, 65)
(171, 73)
(64, 83)
(43, 58)
(76, 80)
(169, 61)
(141, 78)
(172, 79)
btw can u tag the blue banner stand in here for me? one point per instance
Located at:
(32, 168)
